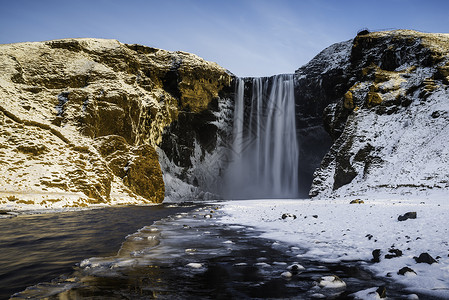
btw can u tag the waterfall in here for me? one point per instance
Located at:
(265, 147)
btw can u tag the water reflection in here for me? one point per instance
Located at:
(190, 256)
(38, 248)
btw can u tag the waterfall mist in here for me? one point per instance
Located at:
(265, 146)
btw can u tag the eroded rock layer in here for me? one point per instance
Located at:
(385, 102)
(81, 119)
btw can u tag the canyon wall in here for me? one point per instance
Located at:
(86, 121)
(384, 98)
(91, 121)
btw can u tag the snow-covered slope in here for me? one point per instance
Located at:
(386, 99)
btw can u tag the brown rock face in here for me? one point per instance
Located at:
(59, 96)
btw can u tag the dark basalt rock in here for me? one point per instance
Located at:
(406, 216)
(425, 258)
(405, 270)
(382, 292)
(285, 216)
(393, 253)
(376, 255)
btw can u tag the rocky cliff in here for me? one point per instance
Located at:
(384, 98)
(90, 121)
(87, 121)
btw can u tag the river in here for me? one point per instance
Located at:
(159, 252)
(37, 248)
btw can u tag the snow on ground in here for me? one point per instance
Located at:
(334, 230)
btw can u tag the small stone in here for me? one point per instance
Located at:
(331, 282)
(408, 215)
(208, 216)
(376, 255)
(315, 216)
(369, 236)
(405, 270)
(357, 201)
(287, 274)
(296, 268)
(425, 258)
(394, 253)
(285, 216)
(382, 292)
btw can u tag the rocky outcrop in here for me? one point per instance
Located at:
(81, 120)
(384, 97)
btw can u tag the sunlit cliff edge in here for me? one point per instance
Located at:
(81, 119)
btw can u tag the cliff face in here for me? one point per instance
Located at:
(81, 120)
(384, 97)
(89, 121)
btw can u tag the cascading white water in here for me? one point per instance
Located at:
(265, 147)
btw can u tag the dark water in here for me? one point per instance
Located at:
(38, 248)
(189, 255)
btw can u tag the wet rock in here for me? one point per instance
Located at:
(331, 282)
(382, 292)
(425, 258)
(376, 255)
(288, 216)
(393, 253)
(287, 274)
(408, 215)
(405, 270)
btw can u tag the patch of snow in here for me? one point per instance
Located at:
(194, 265)
(350, 232)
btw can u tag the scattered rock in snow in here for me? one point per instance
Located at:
(393, 253)
(331, 282)
(288, 216)
(382, 292)
(369, 236)
(376, 255)
(357, 201)
(406, 270)
(315, 216)
(425, 258)
(406, 216)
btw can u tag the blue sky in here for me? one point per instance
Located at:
(248, 37)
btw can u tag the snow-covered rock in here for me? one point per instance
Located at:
(385, 102)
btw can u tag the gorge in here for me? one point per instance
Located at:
(88, 123)
(346, 123)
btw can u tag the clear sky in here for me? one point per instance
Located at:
(248, 37)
